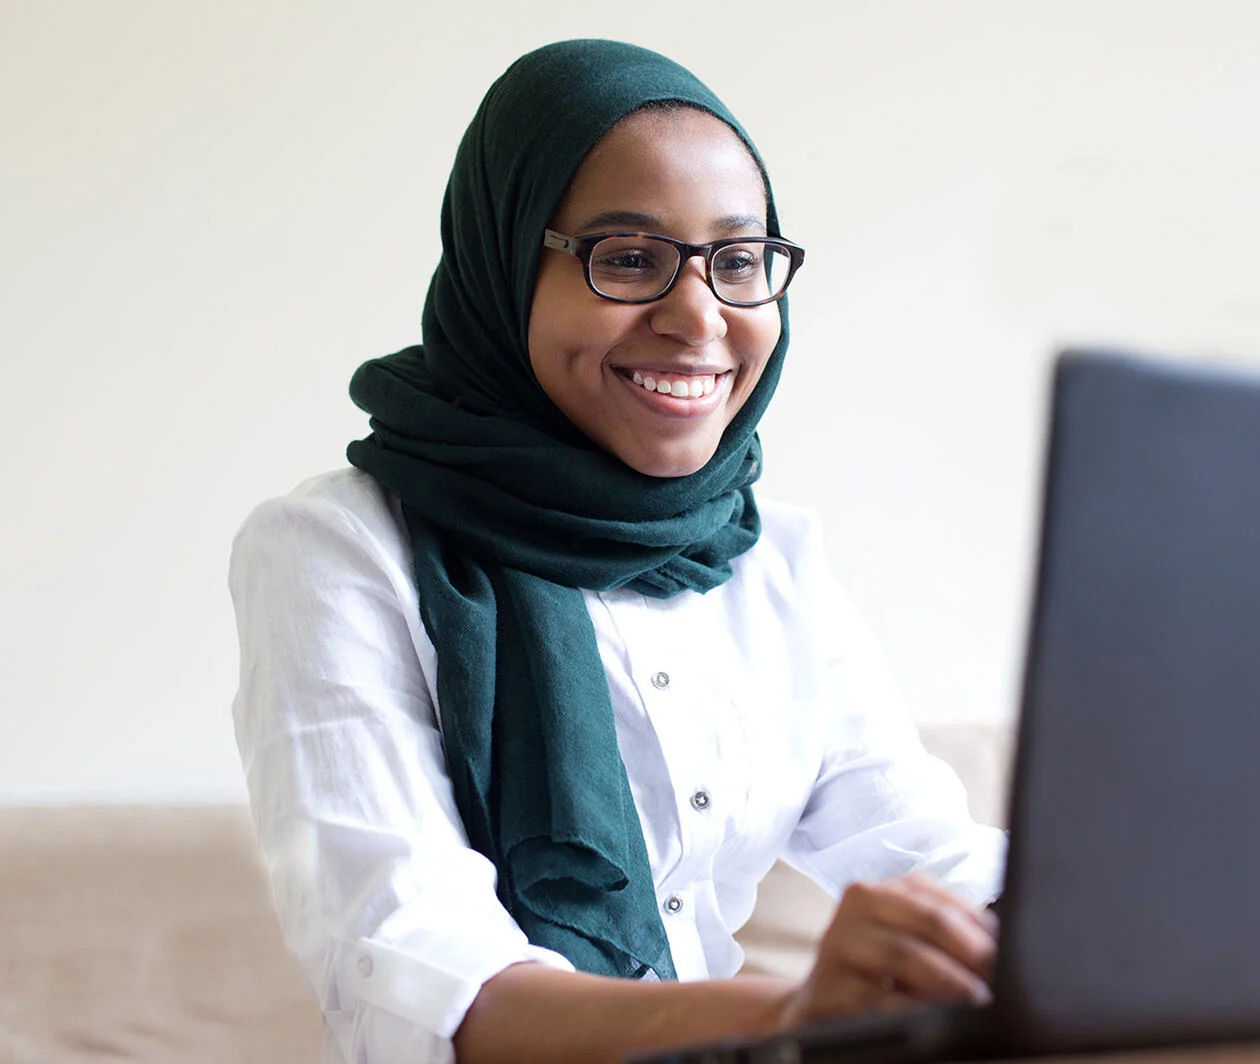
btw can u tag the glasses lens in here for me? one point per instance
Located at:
(752, 272)
(632, 267)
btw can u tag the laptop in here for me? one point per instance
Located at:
(1131, 912)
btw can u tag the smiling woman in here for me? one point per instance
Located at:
(534, 696)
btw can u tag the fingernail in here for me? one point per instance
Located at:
(981, 994)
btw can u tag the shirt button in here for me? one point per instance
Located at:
(660, 680)
(365, 966)
(673, 904)
(700, 800)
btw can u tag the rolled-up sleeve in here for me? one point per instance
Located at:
(881, 804)
(392, 915)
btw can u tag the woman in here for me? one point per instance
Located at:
(534, 696)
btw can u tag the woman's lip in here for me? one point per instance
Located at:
(701, 370)
(677, 407)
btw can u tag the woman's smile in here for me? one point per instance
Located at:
(687, 387)
(679, 388)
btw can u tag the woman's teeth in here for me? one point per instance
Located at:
(678, 386)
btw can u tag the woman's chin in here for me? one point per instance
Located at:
(667, 462)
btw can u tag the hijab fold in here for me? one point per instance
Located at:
(511, 512)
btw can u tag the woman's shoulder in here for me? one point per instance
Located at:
(791, 534)
(789, 560)
(788, 524)
(344, 506)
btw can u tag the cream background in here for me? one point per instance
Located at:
(210, 213)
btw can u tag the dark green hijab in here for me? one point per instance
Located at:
(511, 511)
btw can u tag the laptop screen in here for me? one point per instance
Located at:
(1135, 862)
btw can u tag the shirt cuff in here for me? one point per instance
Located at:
(396, 981)
(973, 867)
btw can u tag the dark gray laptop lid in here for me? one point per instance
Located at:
(1134, 874)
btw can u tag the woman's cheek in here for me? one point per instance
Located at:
(759, 336)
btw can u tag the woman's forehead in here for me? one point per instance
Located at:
(681, 163)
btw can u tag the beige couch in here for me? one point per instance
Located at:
(145, 934)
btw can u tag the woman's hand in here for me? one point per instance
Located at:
(894, 943)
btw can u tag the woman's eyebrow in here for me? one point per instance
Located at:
(740, 223)
(731, 223)
(620, 220)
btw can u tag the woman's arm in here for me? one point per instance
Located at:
(889, 944)
(393, 917)
(531, 1013)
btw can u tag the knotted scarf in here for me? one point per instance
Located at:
(511, 511)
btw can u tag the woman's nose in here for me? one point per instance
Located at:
(690, 312)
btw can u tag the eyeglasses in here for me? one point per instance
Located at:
(639, 267)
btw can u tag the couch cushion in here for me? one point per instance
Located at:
(143, 934)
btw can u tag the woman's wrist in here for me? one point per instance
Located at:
(791, 1009)
(781, 1006)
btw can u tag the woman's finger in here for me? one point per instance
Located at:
(919, 908)
(986, 919)
(913, 966)
(894, 960)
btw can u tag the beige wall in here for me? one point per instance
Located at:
(210, 213)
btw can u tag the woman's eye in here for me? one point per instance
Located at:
(736, 263)
(625, 259)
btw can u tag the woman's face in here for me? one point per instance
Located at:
(680, 173)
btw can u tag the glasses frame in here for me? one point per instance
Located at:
(581, 248)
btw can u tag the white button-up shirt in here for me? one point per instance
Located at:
(756, 721)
